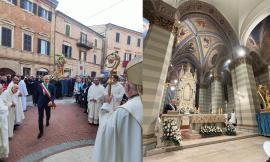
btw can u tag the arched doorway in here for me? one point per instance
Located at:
(5, 71)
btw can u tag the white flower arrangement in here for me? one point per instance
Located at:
(230, 130)
(171, 133)
(210, 131)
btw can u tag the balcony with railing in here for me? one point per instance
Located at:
(85, 44)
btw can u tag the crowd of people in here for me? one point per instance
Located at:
(13, 93)
(116, 108)
(89, 94)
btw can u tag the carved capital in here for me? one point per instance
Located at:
(240, 61)
(163, 23)
(159, 13)
(216, 77)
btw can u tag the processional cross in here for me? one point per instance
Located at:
(112, 61)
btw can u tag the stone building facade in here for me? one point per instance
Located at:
(27, 39)
(126, 42)
(81, 46)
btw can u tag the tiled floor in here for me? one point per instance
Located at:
(68, 123)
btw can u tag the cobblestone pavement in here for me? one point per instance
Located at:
(68, 127)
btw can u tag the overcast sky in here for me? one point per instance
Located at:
(125, 13)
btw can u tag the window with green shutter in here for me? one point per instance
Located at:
(27, 42)
(6, 36)
(43, 47)
(95, 59)
(67, 32)
(138, 42)
(66, 51)
(128, 40)
(117, 37)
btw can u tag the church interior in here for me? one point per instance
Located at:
(212, 59)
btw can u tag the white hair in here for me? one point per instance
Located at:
(135, 88)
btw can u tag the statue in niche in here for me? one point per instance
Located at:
(186, 89)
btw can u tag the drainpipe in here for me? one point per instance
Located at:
(104, 50)
(54, 32)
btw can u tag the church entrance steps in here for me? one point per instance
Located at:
(190, 143)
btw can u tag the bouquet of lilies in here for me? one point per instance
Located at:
(171, 134)
(230, 130)
(210, 131)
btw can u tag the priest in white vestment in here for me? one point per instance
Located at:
(4, 143)
(95, 99)
(7, 98)
(23, 90)
(17, 99)
(119, 138)
(117, 91)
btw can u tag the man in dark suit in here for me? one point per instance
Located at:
(45, 99)
(169, 107)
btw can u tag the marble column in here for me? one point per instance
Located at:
(157, 52)
(230, 103)
(245, 93)
(204, 108)
(217, 99)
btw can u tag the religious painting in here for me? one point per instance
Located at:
(203, 24)
(212, 60)
(182, 33)
(191, 47)
(206, 42)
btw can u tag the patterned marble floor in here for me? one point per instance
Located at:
(245, 150)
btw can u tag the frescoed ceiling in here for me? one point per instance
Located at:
(200, 42)
(258, 43)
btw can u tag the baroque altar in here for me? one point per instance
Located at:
(190, 122)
